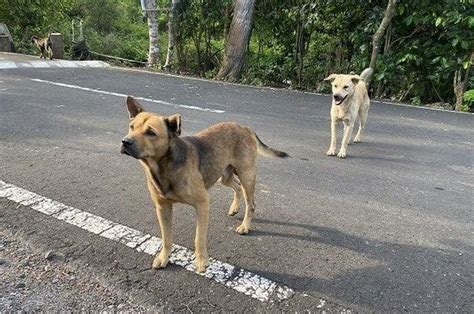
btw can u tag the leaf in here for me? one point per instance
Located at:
(455, 42)
(438, 21)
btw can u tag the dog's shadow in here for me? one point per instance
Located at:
(396, 266)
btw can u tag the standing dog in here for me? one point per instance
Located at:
(182, 169)
(44, 45)
(350, 98)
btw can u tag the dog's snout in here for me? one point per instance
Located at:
(337, 97)
(127, 141)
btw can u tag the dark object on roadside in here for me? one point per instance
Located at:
(80, 51)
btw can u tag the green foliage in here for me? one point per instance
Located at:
(294, 43)
(110, 27)
(468, 103)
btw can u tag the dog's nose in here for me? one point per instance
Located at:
(127, 141)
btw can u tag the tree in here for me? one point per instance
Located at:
(237, 40)
(460, 84)
(172, 24)
(154, 49)
(377, 39)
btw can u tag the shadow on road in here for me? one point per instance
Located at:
(407, 277)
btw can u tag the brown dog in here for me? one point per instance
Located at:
(181, 170)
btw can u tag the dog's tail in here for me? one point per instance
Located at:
(366, 74)
(266, 151)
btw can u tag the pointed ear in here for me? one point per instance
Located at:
(133, 107)
(356, 79)
(330, 78)
(174, 124)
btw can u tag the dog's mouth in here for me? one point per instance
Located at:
(124, 151)
(132, 153)
(338, 99)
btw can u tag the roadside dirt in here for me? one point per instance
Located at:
(33, 280)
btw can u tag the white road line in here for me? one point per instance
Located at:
(161, 102)
(241, 280)
(39, 64)
(8, 65)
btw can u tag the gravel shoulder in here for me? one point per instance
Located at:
(35, 280)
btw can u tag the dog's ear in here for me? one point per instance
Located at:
(355, 79)
(133, 107)
(174, 124)
(330, 78)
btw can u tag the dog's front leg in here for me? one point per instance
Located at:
(164, 212)
(332, 146)
(348, 126)
(200, 242)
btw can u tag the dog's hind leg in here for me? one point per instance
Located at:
(229, 179)
(43, 53)
(362, 120)
(247, 180)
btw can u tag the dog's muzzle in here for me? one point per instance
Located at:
(128, 147)
(339, 99)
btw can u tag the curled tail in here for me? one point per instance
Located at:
(366, 74)
(266, 151)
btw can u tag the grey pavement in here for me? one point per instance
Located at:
(390, 228)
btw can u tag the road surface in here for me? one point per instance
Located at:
(390, 228)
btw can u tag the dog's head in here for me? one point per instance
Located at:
(34, 39)
(149, 134)
(343, 86)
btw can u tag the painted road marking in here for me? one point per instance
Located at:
(241, 280)
(8, 65)
(53, 64)
(161, 102)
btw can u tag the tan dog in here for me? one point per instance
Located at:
(350, 99)
(44, 45)
(182, 169)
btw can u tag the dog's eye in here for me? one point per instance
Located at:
(131, 127)
(335, 86)
(150, 132)
(346, 86)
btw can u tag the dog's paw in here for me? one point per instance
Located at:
(331, 152)
(233, 210)
(357, 139)
(341, 155)
(161, 260)
(242, 229)
(201, 263)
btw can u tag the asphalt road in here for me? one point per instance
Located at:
(390, 228)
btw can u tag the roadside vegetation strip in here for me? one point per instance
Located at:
(241, 280)
(161, 102)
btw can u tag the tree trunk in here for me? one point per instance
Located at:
(377, 39)
(237, 41)
(461, 84)
(154, 50)
(300, 50)
(227, 20)
(172, 17)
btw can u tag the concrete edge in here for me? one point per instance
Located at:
(253, 86)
